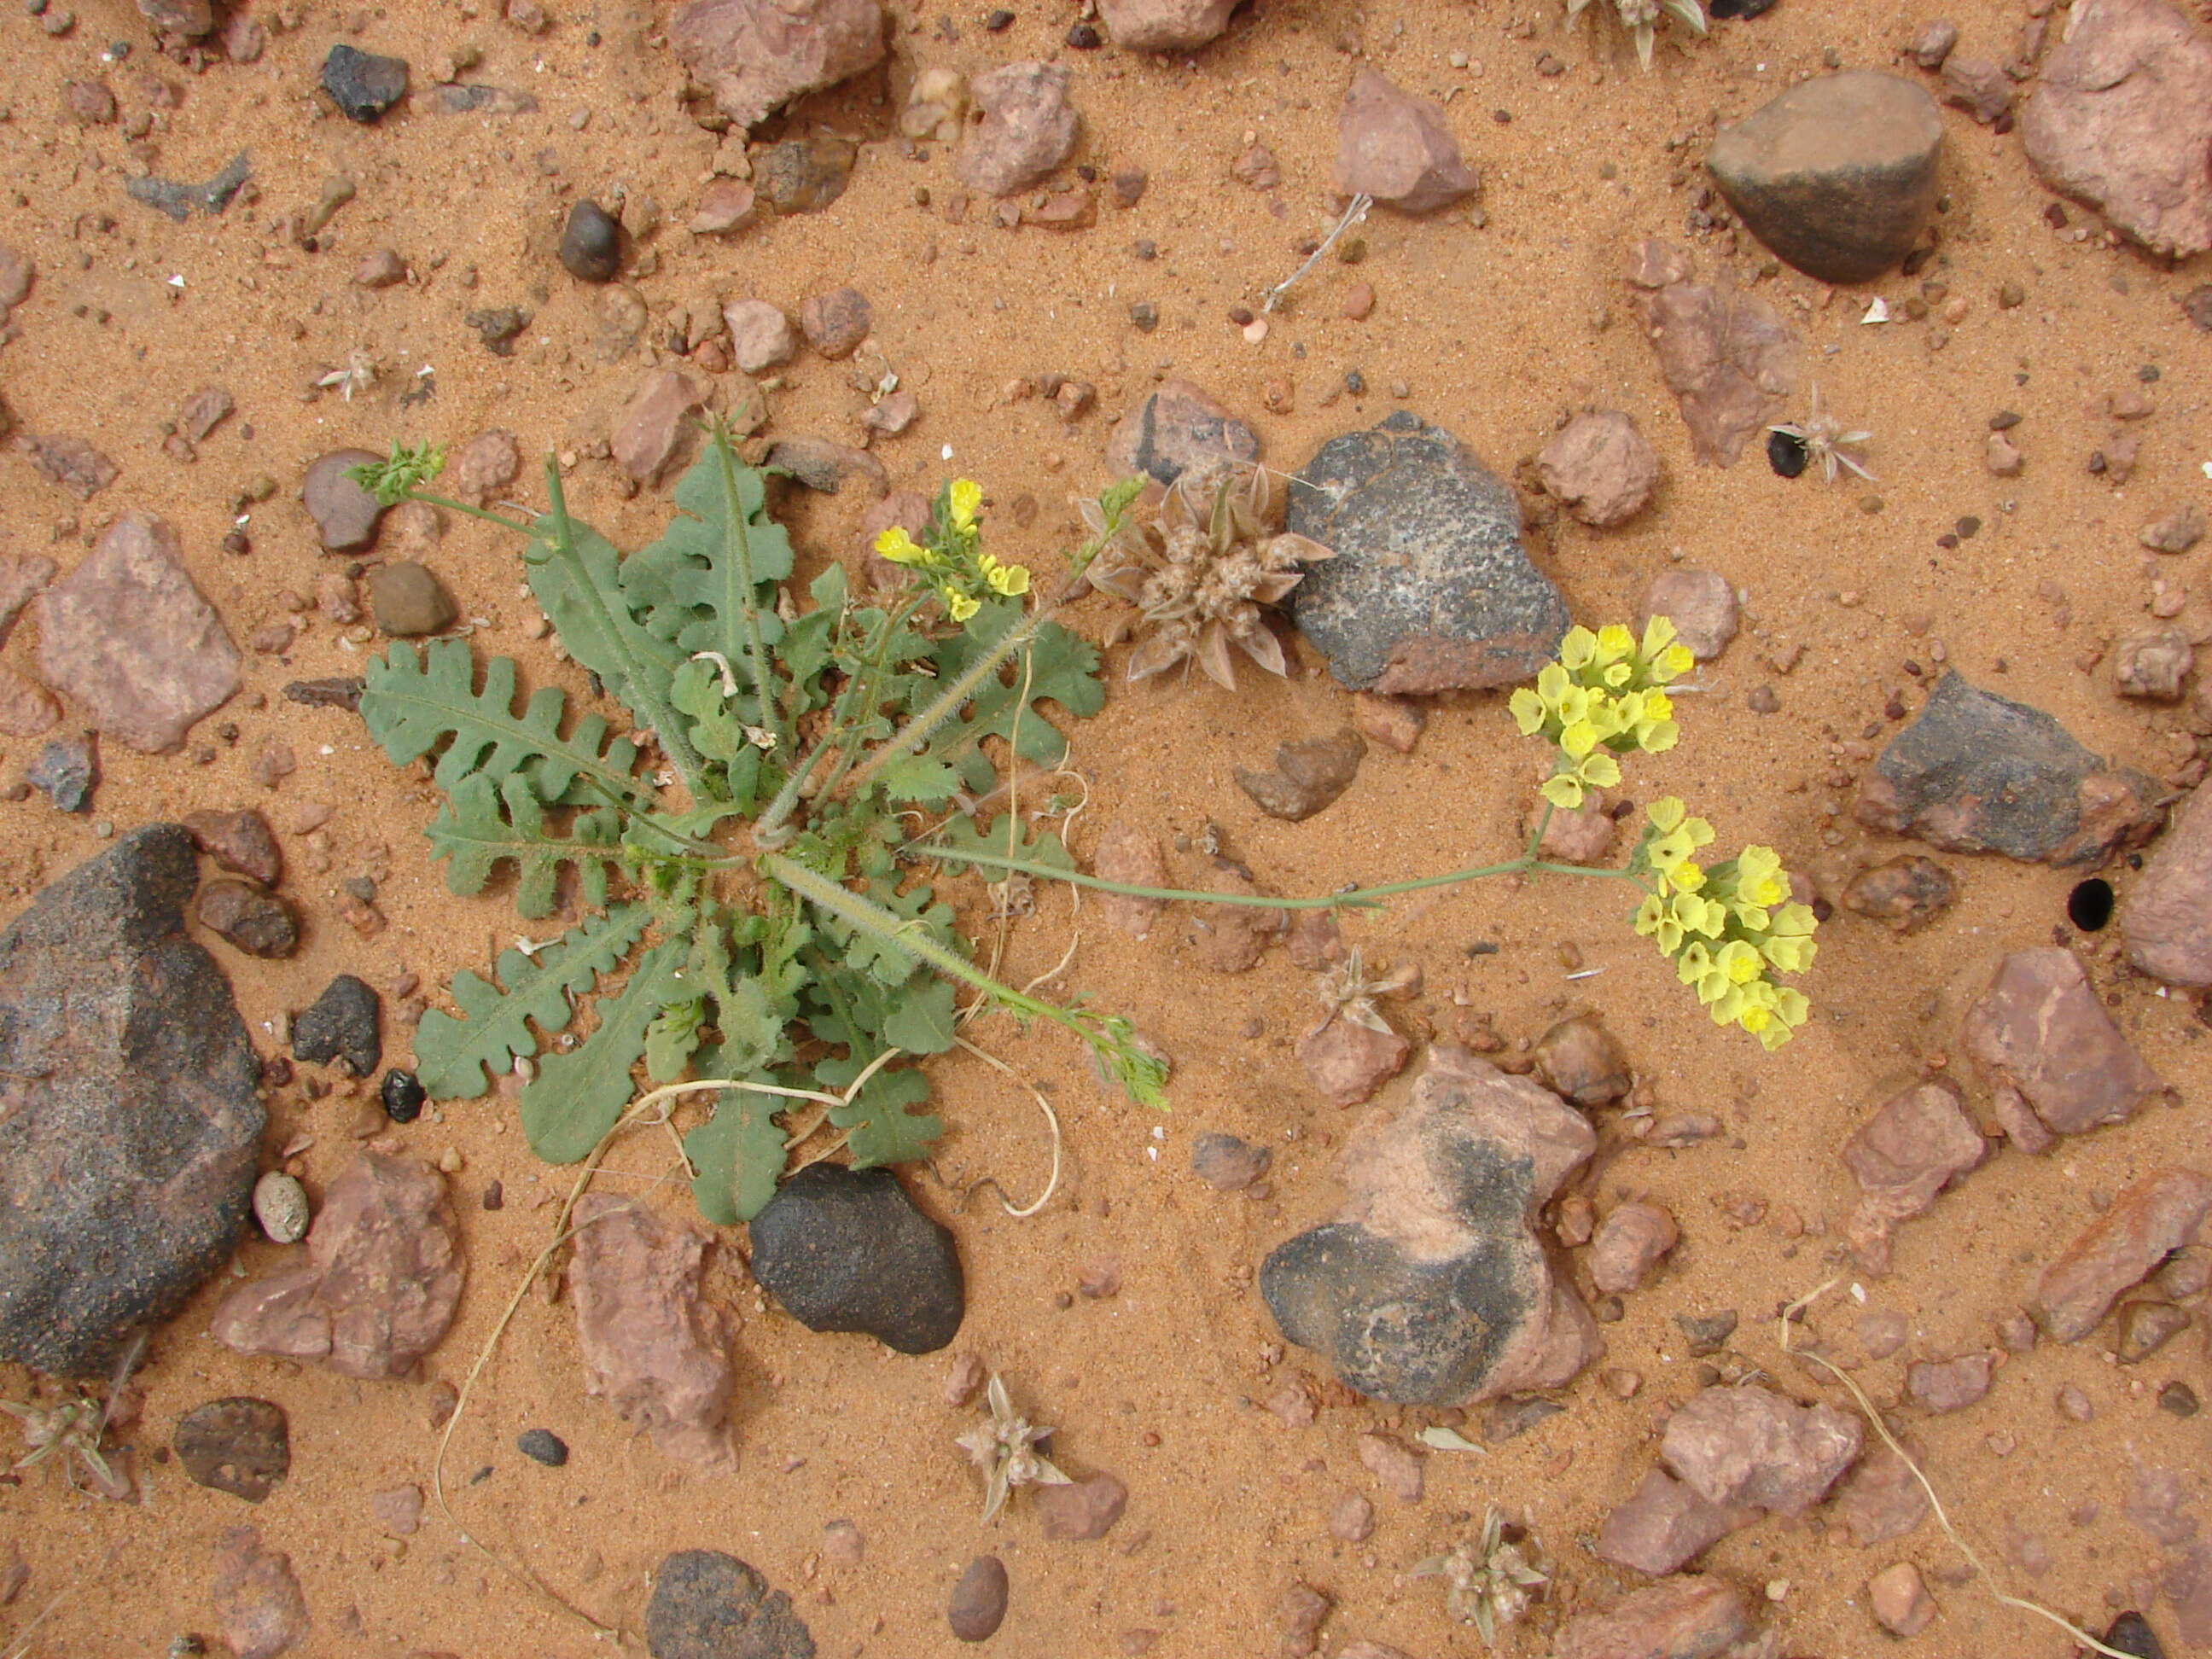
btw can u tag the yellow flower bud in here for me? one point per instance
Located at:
(964, 497)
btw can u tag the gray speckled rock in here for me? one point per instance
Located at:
(1431, 1287)
(1430, 589)
(129, 1120)
(847, 1250)
(1978, 773)
(707, 1604)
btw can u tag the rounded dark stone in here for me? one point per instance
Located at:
(847, 1250)
(363, 84)
(1430, 589)
(978, 1599)
(1836, 175)
(241, 1445)
(404, 1095)
(132, 1120)
(342, 1024)
(1786, 455)
(707, 1604)
(2089, 906)
(804, 175)
(590, 243)
(543, 1446)
(250, 916)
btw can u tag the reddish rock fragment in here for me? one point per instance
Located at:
(73, 464)
(1700, 604)
(1080, 1510)
(1691, 1617)
(240, 842)
(1750, 1445)
(2166, 920)
(1582, 1062)
(1900, 1601)
(1348, 1060)
(1950, 1385)
(2122, 120)
(757, 55)
(1028, 128)
(258, 1603)
(1128, 855)
(655, 423)
(1398, 147)
(483, 466)
(1629, 1244)
(1164, 25)
(1914, 1146)
(654, 1346)
(1729, 359)
(128, 635)
(2151, 1219)
(2040, 1037)
(1908, 892)
(1665, 1525)
(383, 1278)
(1602, 467)
(1880, 1499)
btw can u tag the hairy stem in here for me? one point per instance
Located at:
(870, 917)
(942, 707)
(1352, 897)
(740, 544)
(452, 506)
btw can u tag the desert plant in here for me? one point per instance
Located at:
(786, 971)
(1202, 568)
(1641, 18)
(795, 964)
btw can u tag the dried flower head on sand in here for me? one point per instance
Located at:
(1201, 568)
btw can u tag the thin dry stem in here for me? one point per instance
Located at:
(1942, 1519)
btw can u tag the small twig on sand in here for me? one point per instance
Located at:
(1353, 214)
(1942, 1520)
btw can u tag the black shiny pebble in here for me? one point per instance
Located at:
(2089, 906)
(1739, 9)
(404, 1095)
(590, 245)
(1785, 454)
(543, 1446)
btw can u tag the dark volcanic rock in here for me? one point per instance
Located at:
(1838, 174)
(978, 1605)
(342, 1024)
(847, 1250)
(129, 1121)
(362, 84)
(707, 1604)
(1433, 1287)
(1430, 589)
(1978, 773)
(241, 1445)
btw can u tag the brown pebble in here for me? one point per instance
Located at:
(978, 1599)
(1359, 301)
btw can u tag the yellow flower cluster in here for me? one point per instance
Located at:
(1600, 699)
(951, 558)
(1729, 928)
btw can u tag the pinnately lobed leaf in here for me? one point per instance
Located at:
(484, 825)
(411, 704)
(453, 1054)
(575, 1098)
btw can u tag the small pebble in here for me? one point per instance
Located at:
(280, 1205)
(590, 244)
(978, 1599)
(404, 1095)
(543, 1446)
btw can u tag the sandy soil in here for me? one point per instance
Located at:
(1492, 332)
